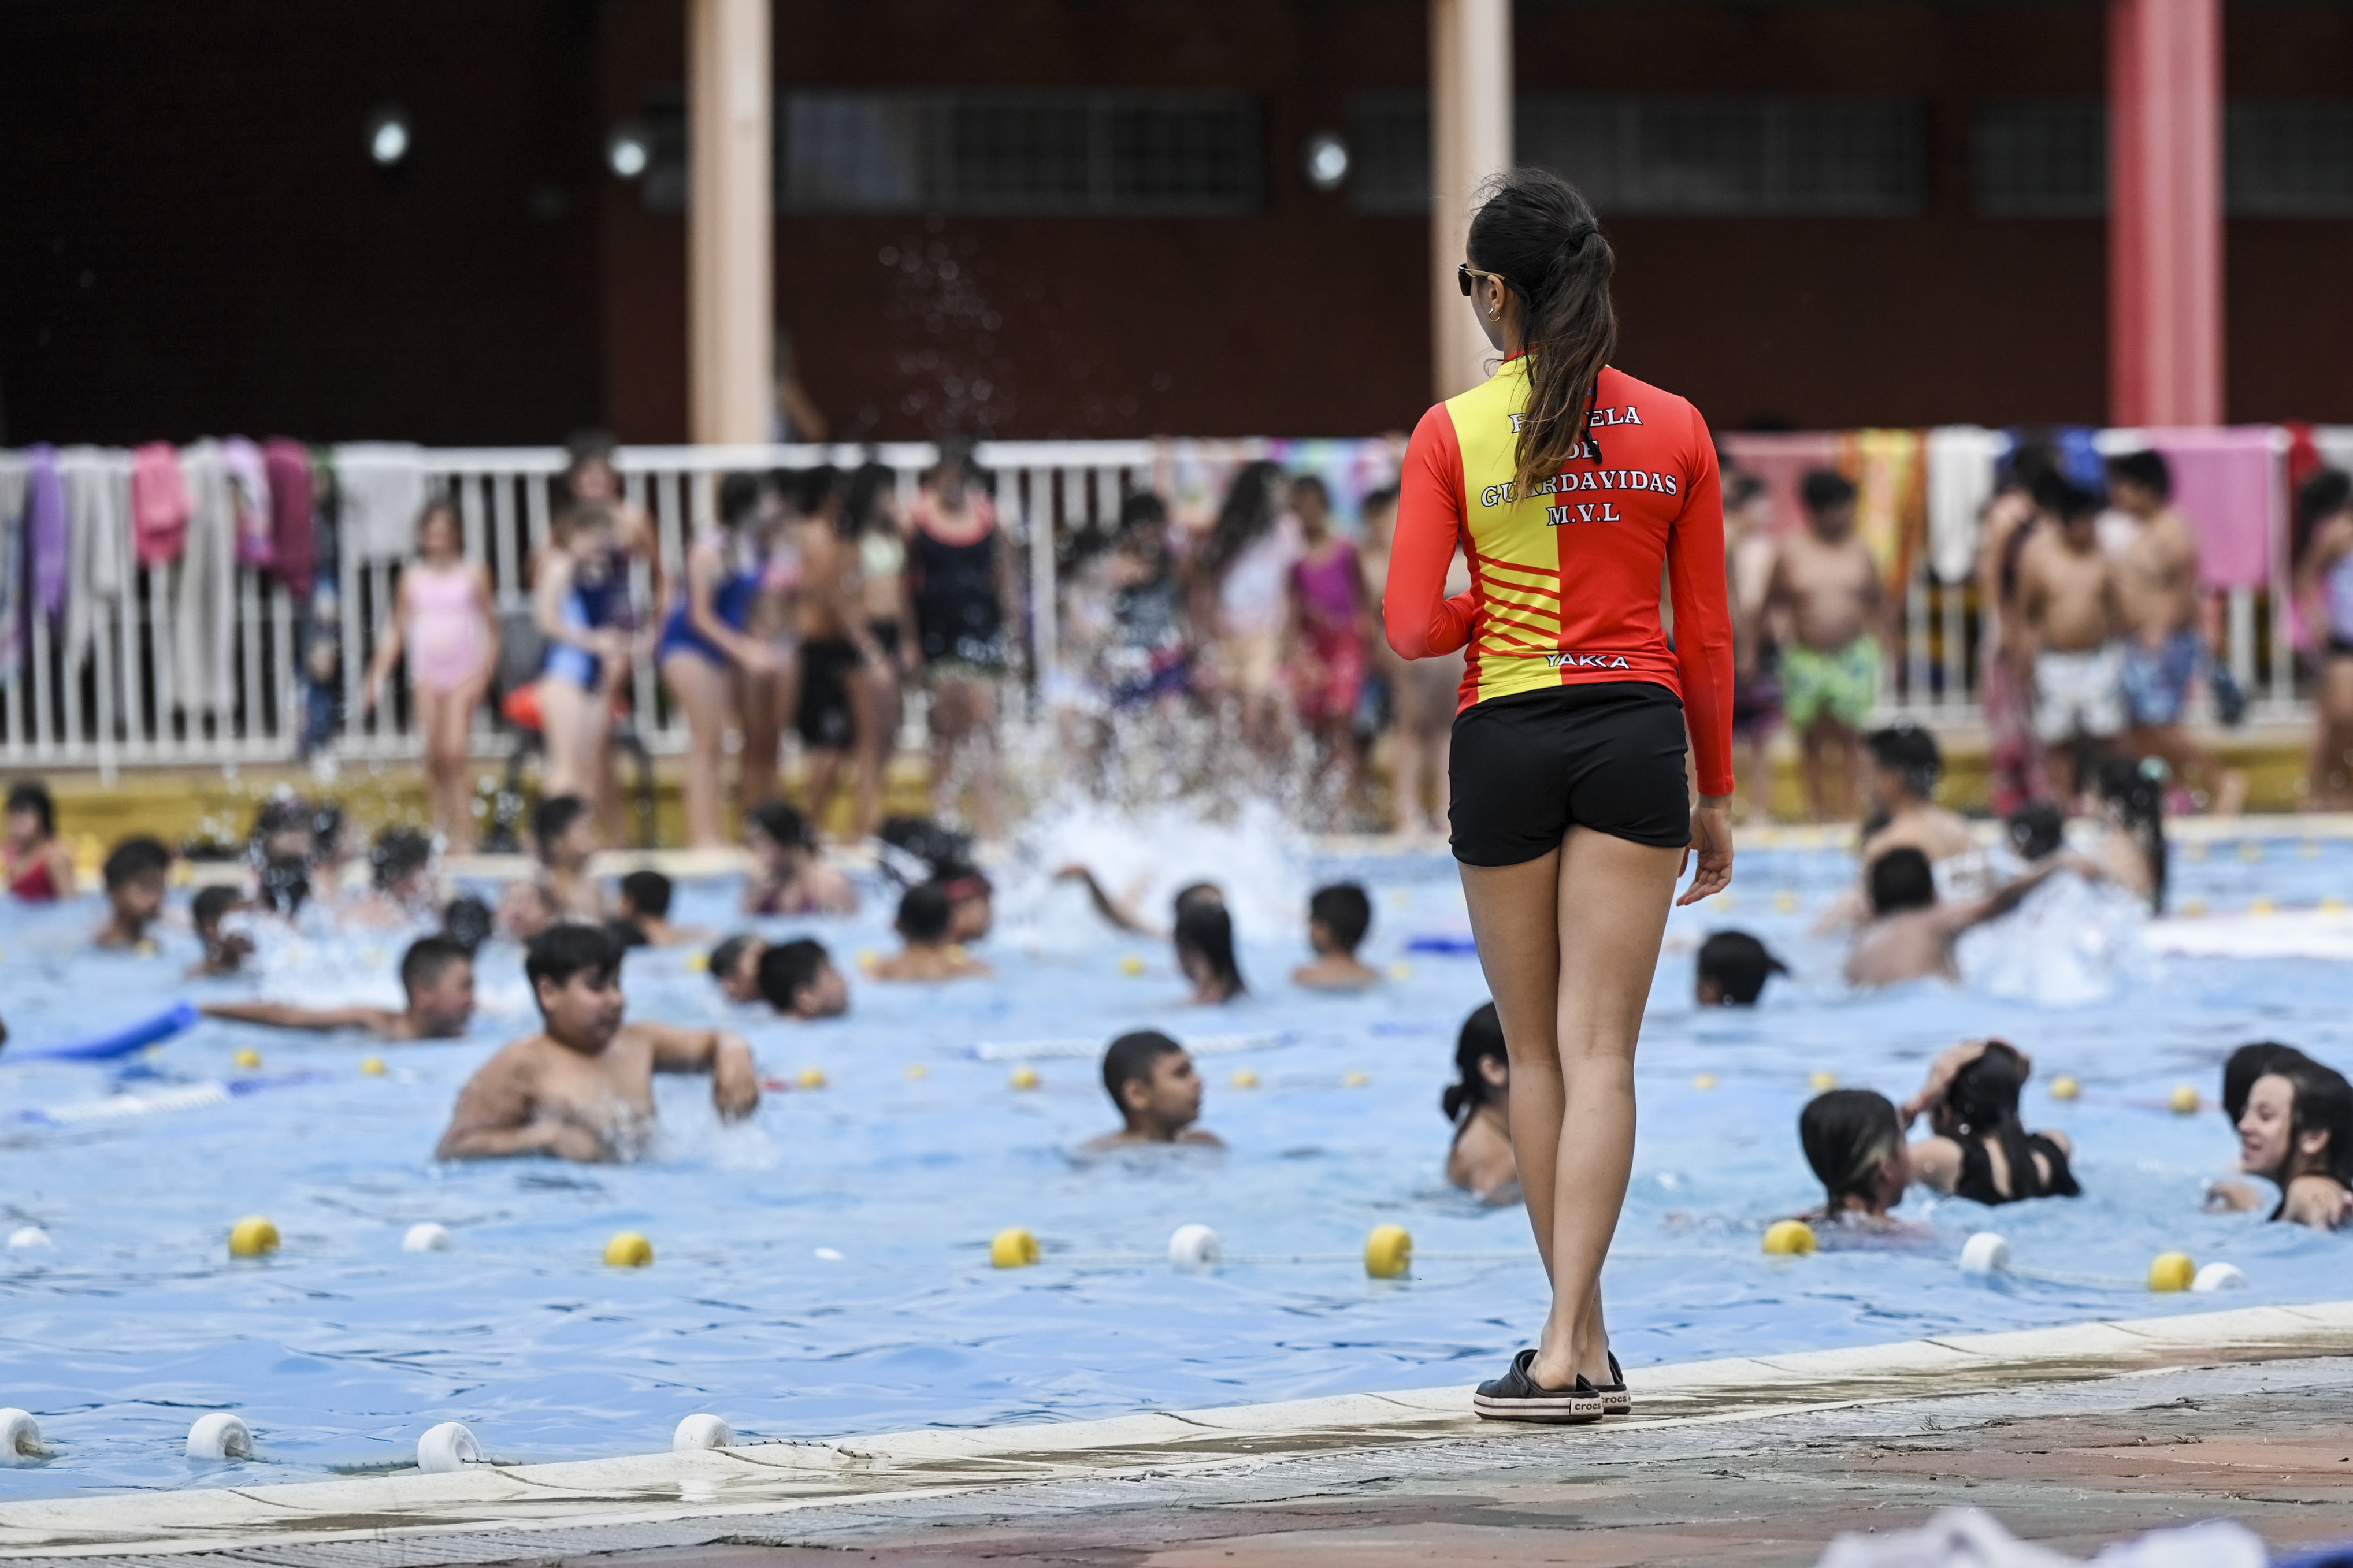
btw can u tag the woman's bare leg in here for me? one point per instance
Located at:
(767, 702)
(575, 728)
(877, 693)
(702, 689)
(1568, 942)
(446, 717)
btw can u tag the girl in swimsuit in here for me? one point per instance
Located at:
(1853, 1141)
(872, 510)
(442, 617)
(1327, 636)
(2297, 1133)
(580, 603)
(709, 655)
(38, 867)
(1478, 1105)
(1240, 576)
(1976, 1147)
(787, 877)
(959, 577)
(592, 480)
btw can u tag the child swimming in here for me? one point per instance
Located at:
(34, 862)
(1910, 933)
(1478, 1103)
(1853, 1140)
(436, 974)
(225, 952)
(1337, 918)
(564, 835)
(1733, 969)
(136, 876)
(401, 868)
(2297, 1133)
(798, 980)
(1978, 1147)
(582, 1089)
(925, 920)
(1150, 1078)
(1205, 951)
(735, 964)
(787, 878)
(645, 903)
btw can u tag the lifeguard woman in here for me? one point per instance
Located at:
(1570, 486)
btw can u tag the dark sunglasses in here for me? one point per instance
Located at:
(1465, 272)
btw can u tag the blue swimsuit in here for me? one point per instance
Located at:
(603, 600)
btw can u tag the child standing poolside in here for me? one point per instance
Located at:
(1326, 629)
(38, 867)
(1150, 1078)
(443, 619)
(1337, 918)
(137, 874)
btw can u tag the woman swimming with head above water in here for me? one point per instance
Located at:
(1853, 1139)
(2297, 1133)
(1977, 1146)
(1479, 1161)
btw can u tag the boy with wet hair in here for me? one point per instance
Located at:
(225, 952)
(735, 965)
(564, 835)
(1912, 932)
(401, 866)
(927, 917)
(437, 973)
(582, 1087)
(645, 903)
(1150, 1078)
(1337, 918)
(137, 875)
(798, 980)
(1733, 969)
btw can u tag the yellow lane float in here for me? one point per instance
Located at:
(629, 1249)
(1788, 1238)
(252, 1236)
(1388, 1252)
(1013, 1247)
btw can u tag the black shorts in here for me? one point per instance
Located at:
(1607, 757)
(826, 720)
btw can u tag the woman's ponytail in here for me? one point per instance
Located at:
(1535, 230)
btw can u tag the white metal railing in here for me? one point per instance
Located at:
(113, 706)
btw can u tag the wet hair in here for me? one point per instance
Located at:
(326, 829)
(2317, 499)
(1346, 912)
(1847, 1134)
(2138, 795)
(960, 881)
(1247, 512)
(2063, 499)
(1207, 930)
(554, 818)
(398, 854)
(285, 883)
(2248, 1063)
(627, 933)
(919, 848)
(2324, 1103)
(284, 815)
(1911, 753)
(468, 922)
(1193, 893)
(1481, 1037)
(33, 795)
(136, 857)
(1134, 1057)
(561, 952)
(1901, 879)
(785, 826)
(739, 498)
(1739, 964)
(2147, 469)
(1823, 488)
(728, 954)
(1740, 487)
(925, 914)
(2037, 830)
(861, 502)
(1538, 232)
(205, 909)
(790, 968)
(1141, 509)
(1982, 1099)
(646, 893)
(428, 958)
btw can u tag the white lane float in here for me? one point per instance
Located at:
(701, 1432)
(447, 1447)
(220, 1435)
(20, 1438)
(1195, 1249)
(426, 1237)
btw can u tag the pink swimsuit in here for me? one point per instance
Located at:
(445, 627)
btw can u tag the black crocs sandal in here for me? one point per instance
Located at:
(1516, 1396)
(1615, 1400)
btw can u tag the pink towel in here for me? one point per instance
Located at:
(1782, 459)
(159, 503)
(2229, 482)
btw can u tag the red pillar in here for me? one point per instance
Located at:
(2164, 212)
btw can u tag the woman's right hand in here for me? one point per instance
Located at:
(1711, 844)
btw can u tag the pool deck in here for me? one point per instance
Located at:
(2073, 1435)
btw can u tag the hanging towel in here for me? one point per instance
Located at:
(159, 503)
(203, 585)
(382, 487)
(1962, 464)
(44, 532)
(15, 480)
(1781, 460)
(98, 516)
(2229, 482)
(288, 467)
(1889, 498)
(256, 546)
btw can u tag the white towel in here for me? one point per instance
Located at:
(2335, 444)
(97, 541)
(380, 486)
(203, 585)
(1961, 464)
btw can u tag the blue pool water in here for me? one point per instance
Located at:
(341, 1348)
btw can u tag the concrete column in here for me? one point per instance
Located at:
(1470, 139)
(2164, 212)
(730, 228)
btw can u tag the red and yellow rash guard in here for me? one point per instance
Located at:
(1564, 585)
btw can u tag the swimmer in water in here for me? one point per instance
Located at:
(1480, 1160)
(1910, 933)
(972, 901)
(564, 832)
(2245, 1065)
(1733, 969)
(1978, 1147)
(1204, 952)
(926, 917)
(1150, 1078)
(787, 877)
(437, 973)
(400, 864)
(225, 952)
(1903, 766)
(2297, 1133)
(735, 965)
(798, 980)
(136, 874)
(1853, 1139)
(1125, 912)
(645, 903)
(582, 1089)
(1337, 918)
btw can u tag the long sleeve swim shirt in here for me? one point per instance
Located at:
(1565, 584)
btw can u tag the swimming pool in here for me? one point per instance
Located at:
(823, 1270)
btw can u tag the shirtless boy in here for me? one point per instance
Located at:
(1748, 556)
(582, 1089)
(136, 874)
(798, 980)
(1825, 587)
(2069, 604)
(437, 973)
(1912, 932)
(1337, 918)
(925, 915)
(564, 831)
(1151, 1079)
(2164, 604)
